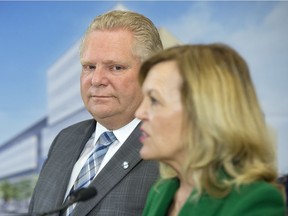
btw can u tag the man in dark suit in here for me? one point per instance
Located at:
(113, 48)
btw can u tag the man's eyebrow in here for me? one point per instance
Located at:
(85, 62)
(112, 62)
(106, 62)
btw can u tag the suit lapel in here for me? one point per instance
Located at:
(62, 162)
(113, 172)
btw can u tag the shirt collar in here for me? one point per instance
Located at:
(121, 134)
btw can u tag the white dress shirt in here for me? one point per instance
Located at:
(121, 134)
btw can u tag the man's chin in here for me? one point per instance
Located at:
(102, 115)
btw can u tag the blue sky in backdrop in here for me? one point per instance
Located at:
(34, 34)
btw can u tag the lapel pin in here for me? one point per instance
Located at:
(125, 165)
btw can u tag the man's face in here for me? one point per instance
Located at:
(109, 78)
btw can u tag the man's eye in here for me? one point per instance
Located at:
(116, 68)
(88, 68)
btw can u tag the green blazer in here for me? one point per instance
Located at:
(256, 199)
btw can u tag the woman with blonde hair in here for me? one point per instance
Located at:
(202, 121)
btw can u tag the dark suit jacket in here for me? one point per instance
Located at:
(256, 199)
(119, 191)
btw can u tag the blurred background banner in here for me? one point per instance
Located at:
(40, 69)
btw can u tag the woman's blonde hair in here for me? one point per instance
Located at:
(147, 38)
(225, 131)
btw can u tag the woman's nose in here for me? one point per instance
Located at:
(141, 111)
